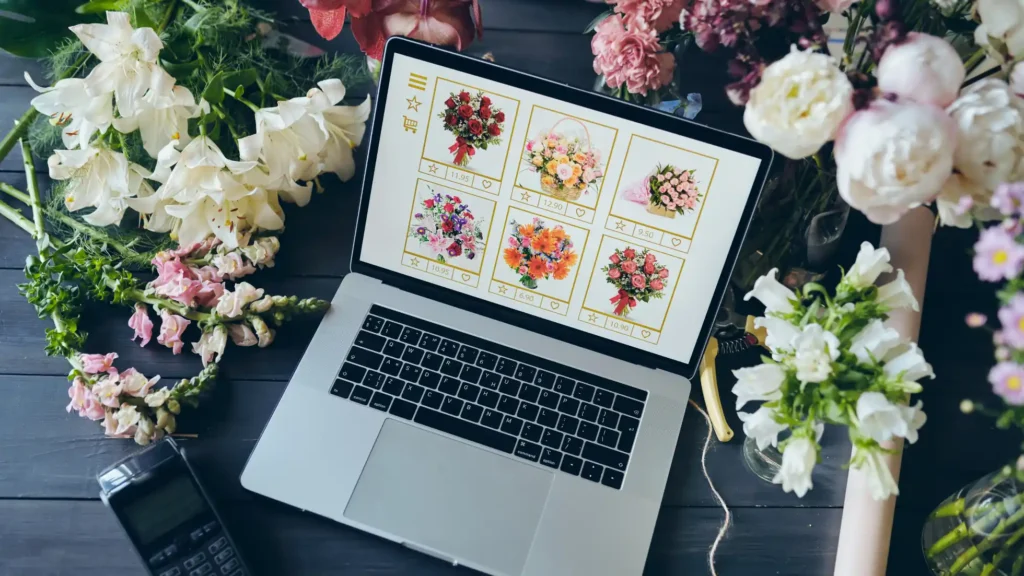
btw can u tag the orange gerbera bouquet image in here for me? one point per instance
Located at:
(537, 251)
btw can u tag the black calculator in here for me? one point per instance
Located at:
(168, 516)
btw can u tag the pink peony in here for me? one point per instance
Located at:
(142, 325)
(98, 363)
(446, 22)
(657, 285)
(614, 274)
(922, 68)
(632, 57)
(629, 267)
(659, 14)
(639, 282)
(172, 327)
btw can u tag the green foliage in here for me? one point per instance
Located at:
(30, 28)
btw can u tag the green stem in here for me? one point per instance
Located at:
(33, 189)
(1008, 549)
(167, 304)
(973, 552)
(954, 508)
(9, 212)
(251, 106)
(171, 6)
(1018, 564)
(974, 60)
(194, 6)
(961, 531)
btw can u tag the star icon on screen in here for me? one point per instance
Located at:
(502, 289)
(592, 317)
(414, 104)
(432, 168)
(620, 226)
(524, 196)
(415, 261)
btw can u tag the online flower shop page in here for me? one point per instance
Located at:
(552, 209)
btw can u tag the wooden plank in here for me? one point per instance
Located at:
(53, 538)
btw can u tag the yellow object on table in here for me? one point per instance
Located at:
(709, 384)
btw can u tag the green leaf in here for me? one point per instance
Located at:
(31, 28)
(214, 93)
(597, 20)
(240, 79)
(101, 6)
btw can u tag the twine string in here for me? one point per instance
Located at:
(718, 497)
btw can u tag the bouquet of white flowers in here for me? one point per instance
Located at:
(834, 361)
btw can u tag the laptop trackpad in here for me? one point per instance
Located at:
(451, 497)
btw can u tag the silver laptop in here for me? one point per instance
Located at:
(501, 380)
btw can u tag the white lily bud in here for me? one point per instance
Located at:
(758, 383)
(870, 264)
(775, 296)
(897, 294)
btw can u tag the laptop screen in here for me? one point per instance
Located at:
(555, 210)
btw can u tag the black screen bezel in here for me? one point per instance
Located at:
(601, 103)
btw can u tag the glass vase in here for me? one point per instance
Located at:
(979, 530)
(765, 463)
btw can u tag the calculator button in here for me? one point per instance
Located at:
(172, 572)
(202, 570)
(217, 545)
(195, 561)
(234, 563)
(227, 553)
(210, 527)
(197, 534)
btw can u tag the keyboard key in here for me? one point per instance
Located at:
(529, 393)
(450, 385)
(430, 379)
(466, 430)
(564, 385)
(568, 424)
(370, 341)
(380, 401)
(486, 360)
(509, 386)
(548, 418)
(449, 348)
(391, 366)
(402, 409)
(373, 323)
(527, 450)
(469, 392)
(231, 565)
(452, 405)
(471, 373)
(589, 412)
(552, 438)
(491, 418)
(548, 399)
(591, 472)
(374, 380)
(506, 367)
(568, 406)
(545, 379)
(532, 432)
(605, 456)
(612, 478)
(392, 329)
(528, 411)
(488, 398)
(451, 367)
(394, 348)
(472, 412)
(572, 445)
(467, 354)
(432, 361)
(352, 373)
(413, 355)
(626, 439)
(342, 388)
(429, 342)
(413, 393)
(410, 336)
(583, 391)
(512, 425)
(491, 380)
(508, 405)
(604, 398)
(410, 373)
(607, 437)
(432, 399)
(362, 395)
(608, 419)
(589, 431)
(525, 373)
(551, 458)
(628, 406)
(571, 464)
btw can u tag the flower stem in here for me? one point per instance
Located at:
(954, 508)
(12, 214)
(1007, 550)
(973, 552)
(251, 106)
(974, 59)
(33, 189)
(171, 7)
(194, 6)
(176, 307)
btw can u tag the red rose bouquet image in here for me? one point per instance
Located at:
(475, 123)
(537, 251)
(638, 277)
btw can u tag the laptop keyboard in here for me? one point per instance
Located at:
(492, 395)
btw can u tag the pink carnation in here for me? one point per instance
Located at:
(632, 57)
(659, 14)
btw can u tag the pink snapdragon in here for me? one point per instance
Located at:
(84, 402)
(98, 363)
(142, 325)
(630, 56)
(172, 327)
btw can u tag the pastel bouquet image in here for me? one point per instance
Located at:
(667, 191)
(537, 251)
(447, 228)
(637, 276)
(567, 165)
(476, 123)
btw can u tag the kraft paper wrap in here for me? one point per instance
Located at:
(867, 524)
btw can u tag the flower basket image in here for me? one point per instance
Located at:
(568, 166)
(666, 192)
(637, 276)
(448, 228)
(537, 251)
(474, 121)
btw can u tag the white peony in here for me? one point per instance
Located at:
(880, 419)
(760, 383)
(1002, 20)
(962, 200)
(781, 333)
(922, 68)
(762, 427)
(816, 349)
(871, 263)
(897, 294)
(989, 120)
(163, 115)
(799, 103)
(775, 296)
(872, 464)
(798, 460)
(70, 107)
(98, 178)
(874, 341)
(908, 364)
(891, 157)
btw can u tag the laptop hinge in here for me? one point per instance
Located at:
(430, 552)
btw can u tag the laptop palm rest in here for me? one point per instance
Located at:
(451, 497)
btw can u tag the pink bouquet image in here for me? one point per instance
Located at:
(666, 192)
(638, 277)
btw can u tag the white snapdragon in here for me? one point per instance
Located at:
(816, 349)
(874, 341)
(762, 427)
(98, 178)
(232, 304)
(759, 383)
(775, 296)
(210, 346)
(798, 460)
(871, 263)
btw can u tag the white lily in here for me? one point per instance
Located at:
(70, 107)
(775, 296)
(163, 115)
(128, 60)
(874, 341)
(870, 264)
(762, 427)
(98, 178)
(758, 383)
(798, 460)
(816, 349)
(880, 481)
(345, 126)
(898, 293)
(909, 363)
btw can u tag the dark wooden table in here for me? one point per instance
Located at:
(51, 521)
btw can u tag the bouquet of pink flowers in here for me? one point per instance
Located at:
(567, 166)
(448, 227)
(475, 123)
(637, 276)
(666, 192)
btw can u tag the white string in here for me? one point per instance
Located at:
(718, 497)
